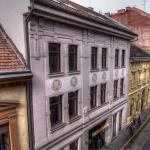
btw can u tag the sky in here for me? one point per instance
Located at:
(114, 5)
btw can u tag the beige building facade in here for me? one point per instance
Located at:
(14, 78)
(139, 83)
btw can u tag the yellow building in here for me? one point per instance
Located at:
(14, 78)
(139, 82)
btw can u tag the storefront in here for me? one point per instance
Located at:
(97, 136)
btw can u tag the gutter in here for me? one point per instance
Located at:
(29, 84)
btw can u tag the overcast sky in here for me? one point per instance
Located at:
(114, 5)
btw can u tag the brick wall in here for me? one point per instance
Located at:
(138, 21)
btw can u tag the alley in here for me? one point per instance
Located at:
(142, 142)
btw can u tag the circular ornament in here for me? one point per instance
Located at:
(74, 81)
(56, 85)
(94, 78)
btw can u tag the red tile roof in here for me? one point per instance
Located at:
(10, 58)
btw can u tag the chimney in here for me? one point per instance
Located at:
(108, 14)
(121, 11)
(91, 8)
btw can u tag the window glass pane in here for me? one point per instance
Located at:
(115, 88)
(56, 110)
(54, 57)
(93, 92)
(103, 93)
(94, 58)
(104, 58)
(74, 145)
(72, 58)
(116, 57)
(4, 137)
(123, 58)
(73, 104)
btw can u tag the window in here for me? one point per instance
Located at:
(117, 58)
(73, 104)
(131, 108)
(4, 137)
(94, 58)
(103, 93)
(104, 58)
(120, 120)
(115, 88)
(121, 87)
(54, 57)
(114, 125)
(123, 58)
(73, 58)
(56, 110)
(93, 92)
(74, 145)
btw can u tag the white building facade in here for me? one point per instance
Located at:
(80, 82)
(79, 60)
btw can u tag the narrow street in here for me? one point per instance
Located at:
(142, 142)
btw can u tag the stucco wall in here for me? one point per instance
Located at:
(18, 94)
(48, 31)
(11, 17)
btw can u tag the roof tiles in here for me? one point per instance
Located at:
(10, 58)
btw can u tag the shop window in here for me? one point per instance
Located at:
(73, 58)
(93, 93)
(74, 145)
(103, 93)
(117, 58)
(56, 110)
(54, 58)
(104, 58)
(94, 58)
(115, 88)
(73, 104)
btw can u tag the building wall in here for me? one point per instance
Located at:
(139, 88)
(11, 18)
(45, 85)
(17, 93)
(138, 21)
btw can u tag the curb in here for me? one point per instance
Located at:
(135, 135)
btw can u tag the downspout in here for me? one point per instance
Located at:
(29, 83)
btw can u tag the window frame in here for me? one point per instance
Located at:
(51, 71)
(103, 100)
(115, 89)
(117, 51)
(58, 105)
(74, 99)
(103, 67)
(93, 93)
(122, 87)
(75, 55)
(123, 58)
(94, 62)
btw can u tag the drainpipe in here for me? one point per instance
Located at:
(29, 83)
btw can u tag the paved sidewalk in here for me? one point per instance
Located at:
(124, 136)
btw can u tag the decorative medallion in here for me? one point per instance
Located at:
(56, 85)
(94, 78)
(74, 81)
(116, 73)
(104, 76)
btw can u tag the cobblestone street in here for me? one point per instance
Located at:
(142, 142)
